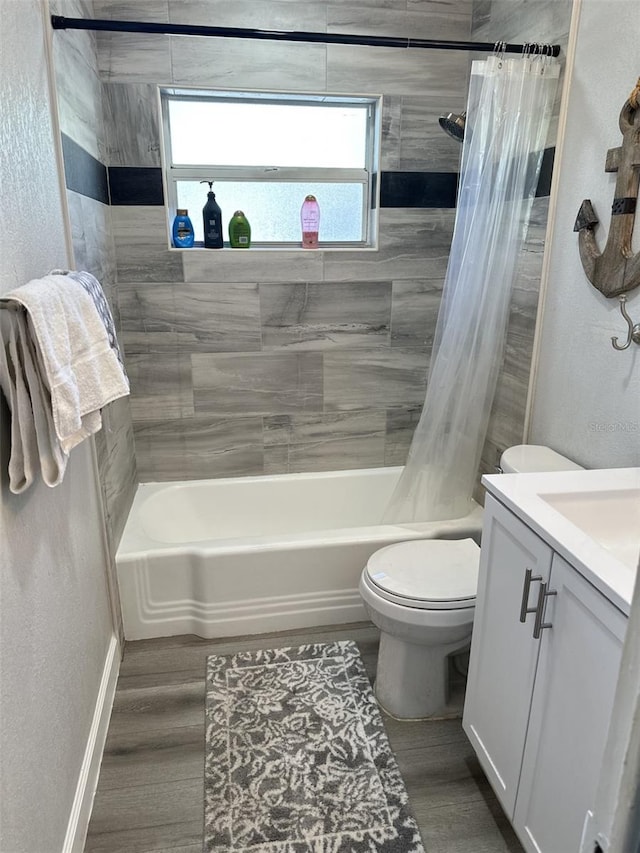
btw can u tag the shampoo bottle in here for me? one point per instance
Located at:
(212, 218)
(182, 231)
(310, 219)
(239, 231)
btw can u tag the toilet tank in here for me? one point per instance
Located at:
(529, 458)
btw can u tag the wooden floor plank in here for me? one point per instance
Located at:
(153, 756)
(150, 792)
(140, 818)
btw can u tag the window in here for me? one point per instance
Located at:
(265, 152)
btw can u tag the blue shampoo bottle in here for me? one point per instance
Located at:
(182, 231)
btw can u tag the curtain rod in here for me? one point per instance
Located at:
(59, 22)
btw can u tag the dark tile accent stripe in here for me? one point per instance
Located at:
(546, 173)
(132, 185)
(418, 189)
(83, 173)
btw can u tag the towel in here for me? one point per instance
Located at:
(58, 368)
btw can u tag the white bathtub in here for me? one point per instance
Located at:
(248, 555)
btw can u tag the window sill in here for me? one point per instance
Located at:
(275, 250)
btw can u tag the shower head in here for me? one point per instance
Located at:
(453, 124)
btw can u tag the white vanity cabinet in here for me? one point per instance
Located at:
(537, 707)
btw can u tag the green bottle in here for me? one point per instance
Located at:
(239, 231)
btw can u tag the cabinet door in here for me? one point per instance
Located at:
(572, 702)
(504, 654)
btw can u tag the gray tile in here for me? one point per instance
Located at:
(521, 21)
(303, 15)
(423, 144)
(326, 442)
(257, 383)
(134, 57)
(244, 64)
(325, 316)
(254, 265)
(440, 19)
(141, 244)
(414, 312)
(93, 245)
(418, 19)
(315, 428)
(413, 244)
(356, 379)
(390, 132)
(199, 447)
(481, 14)
(529, 265)
(396, 72)
(132, 124)
(132, 10)
(400, 427)
(160, 385)
(338, 454)
(78, 88)
(191, 317)
(276, 459)
(117, 466)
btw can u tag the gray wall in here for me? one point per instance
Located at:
(55, 624)
(80, 108)
(243, 363)
(521, 21)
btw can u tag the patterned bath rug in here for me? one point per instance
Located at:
(297, 758)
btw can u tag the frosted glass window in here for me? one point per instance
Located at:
(246, 134)
(266, 152)
(273, 210)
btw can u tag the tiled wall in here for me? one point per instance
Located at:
(270, 361)
(521, 21)
(79, 91)
(243, 363)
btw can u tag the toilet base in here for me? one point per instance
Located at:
(412, 681)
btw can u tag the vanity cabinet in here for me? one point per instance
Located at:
(537, 708)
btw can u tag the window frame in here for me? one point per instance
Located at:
(368, 176)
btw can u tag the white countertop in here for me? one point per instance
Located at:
(610, 567)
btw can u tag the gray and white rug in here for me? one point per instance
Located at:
(297, 758)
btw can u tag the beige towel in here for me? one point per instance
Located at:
(57, 370)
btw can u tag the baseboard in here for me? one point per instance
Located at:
(90, 769)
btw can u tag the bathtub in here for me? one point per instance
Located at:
(247, 555)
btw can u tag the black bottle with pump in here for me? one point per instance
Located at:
(212, 217)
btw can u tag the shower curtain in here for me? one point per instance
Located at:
(508, 111)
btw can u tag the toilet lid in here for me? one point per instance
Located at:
(428, 573)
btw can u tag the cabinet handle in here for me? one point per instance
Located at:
(539, 625)
(524, 606)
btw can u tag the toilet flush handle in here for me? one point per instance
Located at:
(524, 606)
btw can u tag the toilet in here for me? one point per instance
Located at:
(421, 595)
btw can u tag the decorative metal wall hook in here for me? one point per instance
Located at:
(633, 334)
(616, 270)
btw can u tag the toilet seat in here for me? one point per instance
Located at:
(430, 574)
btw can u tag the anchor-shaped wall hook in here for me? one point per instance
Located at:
(617, 269)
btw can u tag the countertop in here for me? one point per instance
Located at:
(609, 562)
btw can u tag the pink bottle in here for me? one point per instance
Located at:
(310, 219)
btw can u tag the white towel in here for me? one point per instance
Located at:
(57, 370)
